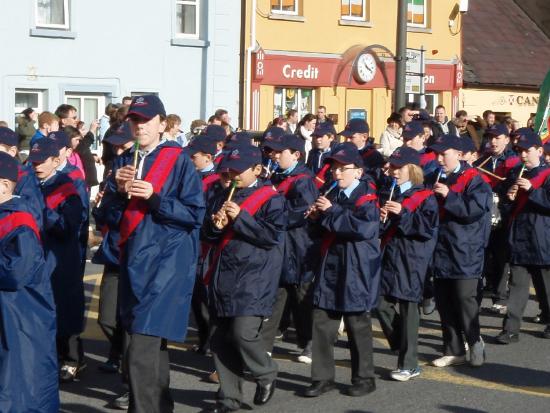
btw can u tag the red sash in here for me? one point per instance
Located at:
(459, 186)
(76, 175)
(208, 181)
(21, 173)
(523, 196)
(427, 157)
(411, 204)
(157, 175)
(60, 194)
(218, 159)
(16, 220)
(251, 205)
(320, 177)
(368, 153)
(285, 186)
(501, 170)
(329, 237)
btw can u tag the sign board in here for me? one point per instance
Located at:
(357, 114)
(413, 83)
(414, 61)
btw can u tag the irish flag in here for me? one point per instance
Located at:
(542, 120)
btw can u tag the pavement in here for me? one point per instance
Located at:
(515, 378)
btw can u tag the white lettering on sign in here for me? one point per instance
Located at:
(310, 72)
(429, 79)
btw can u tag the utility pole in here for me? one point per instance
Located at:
(401, 55)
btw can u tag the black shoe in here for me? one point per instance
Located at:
(68, 372)
(264, 393)
(319, 387)
(222, 409)
(110, 366)
(361, 388)
(506, 338)
(122, 402)
(546, 332)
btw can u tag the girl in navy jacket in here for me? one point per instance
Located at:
(408, 237)
(348, 275)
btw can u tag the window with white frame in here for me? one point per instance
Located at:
(353, 9)
(28, 98)
(284, 6)
(292, 98)
(52, 14)
(187, 18)
(417, 12)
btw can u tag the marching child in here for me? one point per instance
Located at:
(28, 369)
(347, 279)
(247, 224)
(294, 181)
(464, 218)
(62, 222)
(528, 199)
(409, 233)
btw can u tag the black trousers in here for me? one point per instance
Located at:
(325, 333)
(70, 350)
(236, 344)
(300, 300)
(108, 314)
(456, 301)
(519, 293)
(148, 374)
(199, 303)
(496, 266)
(400, 320)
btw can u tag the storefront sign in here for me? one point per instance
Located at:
(517, 100)
(310, 72)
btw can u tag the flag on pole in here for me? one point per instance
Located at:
(542, 120)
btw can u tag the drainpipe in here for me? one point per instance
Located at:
(249, 51)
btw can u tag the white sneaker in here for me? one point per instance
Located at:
(305, 357)
(448, 361)
(405, 375)
(477, 354)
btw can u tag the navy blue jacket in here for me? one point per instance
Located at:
(108, 252)
(300, 251)
(408, 253)
(529, 236)
(316, 158)
(373, 162)
(28, 356)
(61, 231)
(246, 276)
(464, 225)
(28, 188)
(158, 262)
(348, 277)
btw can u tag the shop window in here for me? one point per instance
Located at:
(417, 12)
(292, 98)
(353, 10)
(52, 14)
(284, 6)
(187, 18)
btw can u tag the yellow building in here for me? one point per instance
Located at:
(339, 53)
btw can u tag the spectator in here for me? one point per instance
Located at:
(223, 117)
(3, 124)
(280, 122)
(25, 128)
(47, 122)
(127, 100)
(173, 131)
(108, 154)
(531, 122)
(195, 129)
(68, 117)
(442, 124)
(322, 115)
(391, 138)
(305, 129)
(74, 158)
(407, 114)
(292, 121)
(105, 120)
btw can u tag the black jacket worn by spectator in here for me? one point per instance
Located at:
(88, 161)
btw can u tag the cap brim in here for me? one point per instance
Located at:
(346, 133)
(439, 147)
(133, 115)
(524, 147)
(274, 146)
(398, 162)
(230, 168)
(117, 140)
(33, 158)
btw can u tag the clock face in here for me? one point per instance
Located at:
(365, 69)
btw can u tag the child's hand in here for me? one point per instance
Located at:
(322, 204)
(231, 209)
